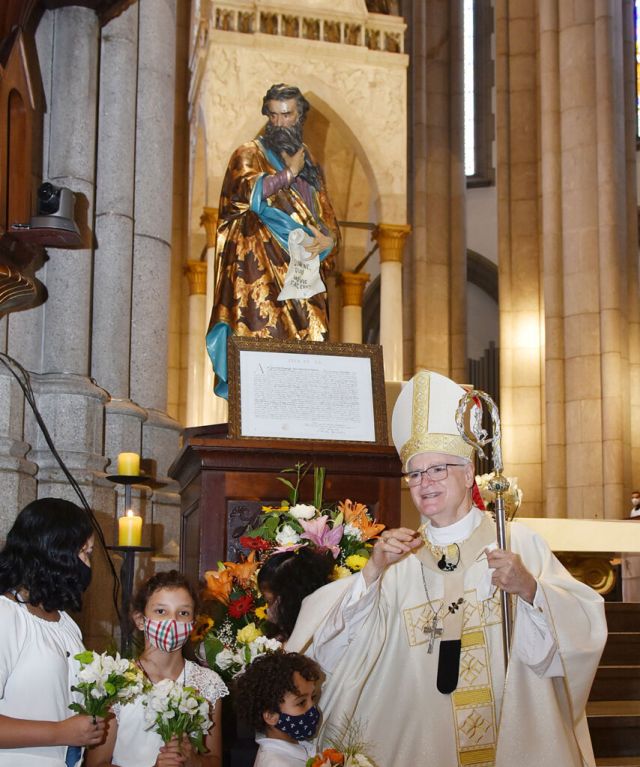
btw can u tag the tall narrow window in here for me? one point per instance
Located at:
(636, 23)
(478, 85)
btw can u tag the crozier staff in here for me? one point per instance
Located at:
(420, 626)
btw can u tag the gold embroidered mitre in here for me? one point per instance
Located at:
(424, 418)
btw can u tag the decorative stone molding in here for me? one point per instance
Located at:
(391, 239)
(196, 272)
(378, 32)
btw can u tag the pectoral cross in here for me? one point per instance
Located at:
(433, 631)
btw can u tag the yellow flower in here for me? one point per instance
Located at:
(248, 634)
(261, 612)
(271, 509)
(356, 562)
(202, 625)
(339, 571)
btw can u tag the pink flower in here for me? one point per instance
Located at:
(324, 537)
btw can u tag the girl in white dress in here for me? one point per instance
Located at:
(44, 568)
(164, 610)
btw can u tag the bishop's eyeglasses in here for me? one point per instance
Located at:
(434, 473)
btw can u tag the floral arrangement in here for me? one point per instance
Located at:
(104, 680)
(512, 498)
(345, 529)
(174, 711)
(233, 635)
(346, 749)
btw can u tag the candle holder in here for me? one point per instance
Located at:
(128, 554)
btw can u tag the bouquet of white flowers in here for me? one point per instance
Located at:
(175, 710)
(231, 652)
(104, 680)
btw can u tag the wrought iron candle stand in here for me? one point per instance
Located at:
(128, 554)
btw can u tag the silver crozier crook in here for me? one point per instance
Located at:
(476, 436)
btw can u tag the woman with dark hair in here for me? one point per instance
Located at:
(44, 568)
(286, 578)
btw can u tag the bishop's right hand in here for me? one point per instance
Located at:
(391, 547)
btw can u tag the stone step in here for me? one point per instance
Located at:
(623, 616)
(616, 683)
(622, 649)
(615, 728)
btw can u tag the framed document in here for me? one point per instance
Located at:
(306, 390)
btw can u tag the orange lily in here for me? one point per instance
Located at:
(334, 756)
(243, 572)
(218, 585)
(356, 514)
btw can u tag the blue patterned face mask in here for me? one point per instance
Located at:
(300, 727)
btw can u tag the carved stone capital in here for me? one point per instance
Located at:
(209, 219)
(352, 284)
(391, 239)
(196, 272)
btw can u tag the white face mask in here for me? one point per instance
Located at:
(635, 501)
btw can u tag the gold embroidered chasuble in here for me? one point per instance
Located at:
(386, 679)
(250, 263)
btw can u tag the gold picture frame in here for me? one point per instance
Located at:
(329, 392)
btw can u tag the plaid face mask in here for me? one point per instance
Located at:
(167, 635)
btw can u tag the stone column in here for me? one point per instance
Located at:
(436, 279)
(152, 227)
(113, 256)
(214, 408)
(196, 272)
(568, 214)
(519, 248)
(353, 285)
(391, 239)
(71, 404)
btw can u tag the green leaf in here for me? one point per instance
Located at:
(85, 657)
(286, 482)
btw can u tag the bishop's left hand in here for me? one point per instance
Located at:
(319, 243)
(510, 574)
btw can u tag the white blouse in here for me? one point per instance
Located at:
(37, 669)
(137, 746)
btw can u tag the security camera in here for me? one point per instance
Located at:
(55, 209)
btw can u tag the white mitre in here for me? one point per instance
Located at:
(424, 418)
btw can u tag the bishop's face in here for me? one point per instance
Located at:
(442, 501)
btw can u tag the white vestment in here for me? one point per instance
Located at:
(380, 674)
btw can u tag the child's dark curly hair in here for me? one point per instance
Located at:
(262, 687)
(291, 576)
(172, 579)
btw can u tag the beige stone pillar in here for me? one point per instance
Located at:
(352, 286)
(391, 239)
(214, 408)
(436, 281)
(567, 252)
(196, 273)
(519, 249)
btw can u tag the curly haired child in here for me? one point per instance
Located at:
(277, 695)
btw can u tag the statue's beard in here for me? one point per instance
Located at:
(280, 140)
(289, 140)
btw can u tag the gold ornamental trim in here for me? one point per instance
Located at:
(391, 239)
(196, 272)
(478, 756)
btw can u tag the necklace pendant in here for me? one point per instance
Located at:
(433, 632)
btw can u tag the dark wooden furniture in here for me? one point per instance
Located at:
(224, 481)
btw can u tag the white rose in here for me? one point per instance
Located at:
(287, 536)
(225, 659)
(302, 511)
